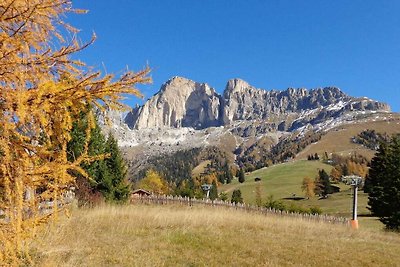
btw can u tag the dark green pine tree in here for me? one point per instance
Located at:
(96, 147)
(323, 185)
(221, 178)
(367, 184)
(236, 196)
(241, 176)
(117, 188)
(377, 176)
(86, 191)
(105, 175)
(214, 191)
(384, 188)
(228, 173)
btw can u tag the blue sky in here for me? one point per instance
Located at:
(272, 44)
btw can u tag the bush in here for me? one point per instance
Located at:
(315, 210)
(292, 208)
(275, 204)
(223, 196)
(237, 196)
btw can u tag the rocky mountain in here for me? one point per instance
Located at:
(251, 126)
(185, 103)
(179, 103)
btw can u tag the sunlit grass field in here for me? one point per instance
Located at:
(281, 180)
(284, 180)
(140, 235)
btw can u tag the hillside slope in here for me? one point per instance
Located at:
(338, 140)
(283, 180)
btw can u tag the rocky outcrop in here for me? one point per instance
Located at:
(179, 103)
(244, 102)
(185, 103)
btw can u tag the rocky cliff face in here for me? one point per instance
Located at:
(185, 103)
(244, 102)
(179, 103)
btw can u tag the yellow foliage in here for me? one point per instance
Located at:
(41, 90)
(205, 179)
(154, 183)
(357, 168)
(336, 174)
(308, 186)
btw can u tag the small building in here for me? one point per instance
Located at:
(140, 193)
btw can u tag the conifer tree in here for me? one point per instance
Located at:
(241, 176)
(322, 184)
(367, 184)
(214, 191)
(106, 175)
(228, 173)
(185, 189)
(384, 184)
(237, 196)
(117, 187)
(221, 178)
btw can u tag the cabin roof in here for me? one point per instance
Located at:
(141, 191)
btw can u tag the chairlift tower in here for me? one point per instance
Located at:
(206, 188)
(355, 181)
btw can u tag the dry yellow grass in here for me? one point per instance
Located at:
(198, 236)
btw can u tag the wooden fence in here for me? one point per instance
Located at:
(185, 201)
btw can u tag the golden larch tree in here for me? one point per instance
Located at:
(41, 90)
(154, 182)
(336, 174)
(308, 186)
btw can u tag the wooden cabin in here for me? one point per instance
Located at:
(140, 193)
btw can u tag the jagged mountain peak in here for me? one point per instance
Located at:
(182, 102)
(176, 81)
(240, 85)
(178, 84)
(236, 84)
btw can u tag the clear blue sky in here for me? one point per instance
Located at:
(272, 44)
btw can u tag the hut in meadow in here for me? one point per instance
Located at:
(140, 193)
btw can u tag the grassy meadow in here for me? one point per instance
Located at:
(284, 180)
(281, 180)
(146, 235)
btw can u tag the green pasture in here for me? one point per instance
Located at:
(283, 181)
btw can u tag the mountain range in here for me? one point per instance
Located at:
(241, 121)
(185, 103)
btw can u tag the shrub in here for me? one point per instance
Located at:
(237, 196)
(275, 204)
(315, 210)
